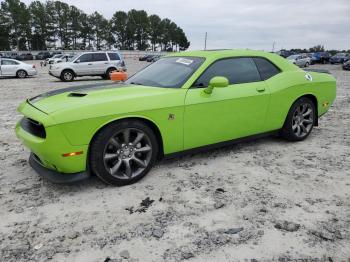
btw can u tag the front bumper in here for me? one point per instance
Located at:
(55, 73)
(54, 176)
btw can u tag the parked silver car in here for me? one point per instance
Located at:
(88, 64)
(301, 60)
(12, 67)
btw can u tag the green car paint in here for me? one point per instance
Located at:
(185, 117)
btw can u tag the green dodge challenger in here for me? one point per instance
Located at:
(183, 102)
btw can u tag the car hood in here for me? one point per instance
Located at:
(78, 97)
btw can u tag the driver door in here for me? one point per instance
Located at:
(235, 111)
(83, 65)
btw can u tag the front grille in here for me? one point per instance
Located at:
(33, 127)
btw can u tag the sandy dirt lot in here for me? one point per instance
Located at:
(258, 201)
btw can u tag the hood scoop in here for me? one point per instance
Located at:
(75, 94)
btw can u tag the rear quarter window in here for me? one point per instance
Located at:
(266, 68)
(113, 56)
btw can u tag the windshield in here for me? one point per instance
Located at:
(293, 57)
(171, 72)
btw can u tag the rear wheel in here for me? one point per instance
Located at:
(123, 152)
(21, 74)
(67, 76)
(300, 120)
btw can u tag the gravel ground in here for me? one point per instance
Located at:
(258, 201)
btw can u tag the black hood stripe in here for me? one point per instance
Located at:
(77, 89)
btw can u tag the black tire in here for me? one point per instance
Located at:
(21, 74)
(102, 144)
(290, 130)
(67, 75)
(109, 70)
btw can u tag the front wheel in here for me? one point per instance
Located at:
(123, 152)
(300, 120)
(67, 76)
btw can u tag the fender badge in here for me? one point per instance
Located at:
(171, 117)
(308, 77)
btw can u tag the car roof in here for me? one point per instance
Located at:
(279, 61)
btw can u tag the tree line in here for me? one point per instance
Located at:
(57, 25)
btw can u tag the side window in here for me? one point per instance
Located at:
(8, 62)
(266, 68)
(113, 56)
(100, 57)
(85, 58)
(236, 70)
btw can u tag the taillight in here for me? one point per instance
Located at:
(33, 66)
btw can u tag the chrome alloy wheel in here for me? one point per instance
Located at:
(303, 120)
(127, 153)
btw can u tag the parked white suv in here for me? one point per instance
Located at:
(88, 64)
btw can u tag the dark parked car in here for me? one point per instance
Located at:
(339, 58)
(286, 53)
(144, 57)
(154, 58)
(56, 53)
(346, 65)
(320, 58)
(43, 55)
(27, 56)
(11, 55)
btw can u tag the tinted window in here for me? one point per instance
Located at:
(85, 58)
(266, 68)
(236, 70)
(113, 56)
(8, 62)
(100, 57)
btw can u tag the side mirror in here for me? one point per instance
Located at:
(216, 82)
(77, 61)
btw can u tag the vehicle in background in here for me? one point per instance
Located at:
(43, 55)
(26, 56)
(320, 57)
(88, 64)
(51, 59)
(11, 55)
(56, 53)
(150, 58)
(301, 60)
(156, 58)
(63, 58)
(285, 53)
(12, 67)
(144, 57)
(346, 65)
(339, 58)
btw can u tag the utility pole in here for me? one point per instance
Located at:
(273, 46)
(205, 41)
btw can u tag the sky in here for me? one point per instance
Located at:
(254, 24)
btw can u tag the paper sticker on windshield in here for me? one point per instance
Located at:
(184, 61)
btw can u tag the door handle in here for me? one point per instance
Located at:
(260, 89)
(89, 64)
(106, 63)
